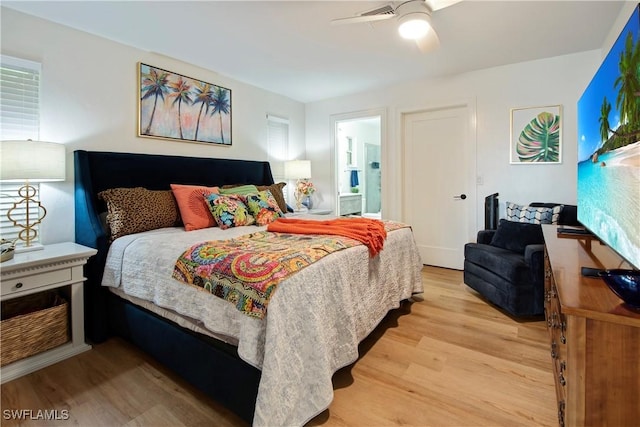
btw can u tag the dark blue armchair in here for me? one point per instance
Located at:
(506, 266)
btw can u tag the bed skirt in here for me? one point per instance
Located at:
(210, 365)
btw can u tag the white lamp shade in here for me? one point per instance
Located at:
(297, 169)
(35, 161)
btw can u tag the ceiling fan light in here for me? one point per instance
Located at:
(414, 26)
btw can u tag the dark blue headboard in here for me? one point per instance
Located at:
(96, 171)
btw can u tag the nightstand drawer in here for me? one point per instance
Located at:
(32, 281)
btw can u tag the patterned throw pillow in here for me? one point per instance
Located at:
(134, 210)
(533, 215)
(277, 191)
(193, 208)
(263, 207)
(229, 210)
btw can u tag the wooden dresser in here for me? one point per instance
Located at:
(594, 338)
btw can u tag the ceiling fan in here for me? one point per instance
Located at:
(414, 20)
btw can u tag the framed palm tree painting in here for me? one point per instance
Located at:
(536, 135)
(182, 108)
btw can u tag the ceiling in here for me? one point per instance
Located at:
(288, 47)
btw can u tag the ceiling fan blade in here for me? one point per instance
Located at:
(359, 19)
(428, 43)
(440, 4)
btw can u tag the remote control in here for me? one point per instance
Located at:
(591, 272)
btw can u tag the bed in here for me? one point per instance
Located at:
(274, 370)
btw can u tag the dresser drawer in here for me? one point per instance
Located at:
(32, 281)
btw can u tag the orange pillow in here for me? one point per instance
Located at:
(193, 206)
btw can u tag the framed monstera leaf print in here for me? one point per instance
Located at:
(536, 135)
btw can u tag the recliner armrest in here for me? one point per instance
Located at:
(485, 236)
(533, 254)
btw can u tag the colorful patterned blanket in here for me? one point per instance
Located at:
(246, 271)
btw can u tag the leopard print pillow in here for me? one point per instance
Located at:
(134, 210)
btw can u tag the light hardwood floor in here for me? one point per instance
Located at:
(450, 360)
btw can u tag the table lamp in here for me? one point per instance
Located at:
(30, 162)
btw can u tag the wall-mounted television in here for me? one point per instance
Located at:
(609, 147)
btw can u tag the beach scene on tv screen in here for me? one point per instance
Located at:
(609, 147)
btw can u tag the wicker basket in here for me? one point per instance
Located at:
(32, 324)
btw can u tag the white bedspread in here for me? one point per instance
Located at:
(315, 319)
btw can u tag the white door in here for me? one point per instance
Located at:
(439, 196)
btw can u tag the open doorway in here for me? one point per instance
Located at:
(359, 171)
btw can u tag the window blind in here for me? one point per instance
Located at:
(19, 98)
(19, 120)
(277, 145)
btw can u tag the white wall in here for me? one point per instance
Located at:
(495, 91)
(89, 101)
(623, 18)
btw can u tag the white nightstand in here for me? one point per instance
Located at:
(311, 212)
(56, 266)
(320, 211)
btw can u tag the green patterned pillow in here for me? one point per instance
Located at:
(240, 189)
(229, 210)
(264, 207)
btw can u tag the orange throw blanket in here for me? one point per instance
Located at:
(370, 232)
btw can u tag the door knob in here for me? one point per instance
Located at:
(462, 196)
